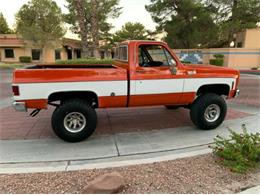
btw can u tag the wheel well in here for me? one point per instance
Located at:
(220, 89)
(89, 96)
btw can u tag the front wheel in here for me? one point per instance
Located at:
(74, 120)
(208, 111)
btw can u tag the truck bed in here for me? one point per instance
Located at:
(48, 73)
(57, 66)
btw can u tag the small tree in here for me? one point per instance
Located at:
(131, 31)
(233, 16)
(4, 29)
(41, 22)
(89, 19)
(187, 23)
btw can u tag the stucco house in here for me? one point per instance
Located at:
(12, 47)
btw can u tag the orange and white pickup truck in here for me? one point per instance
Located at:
(143, 73)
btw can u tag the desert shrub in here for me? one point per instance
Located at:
(255, 68)
(217, 62)
(186, 62)
(240, 152)
(85, 61)
(25, 59)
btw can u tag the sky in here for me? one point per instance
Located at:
(132, 11)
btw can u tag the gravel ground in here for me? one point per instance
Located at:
(200, 174)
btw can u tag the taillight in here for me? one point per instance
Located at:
(16, 90)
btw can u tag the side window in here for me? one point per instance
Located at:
(121, 53)
(154, 56)
(170, 59)
(157, 54)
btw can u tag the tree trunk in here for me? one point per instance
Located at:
(95, 29)
(42, 53)
(83, 27)
(232, 30)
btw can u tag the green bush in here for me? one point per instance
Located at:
(241, 152)
(25, 59)
(85, 61)
(10, 66)
(217, 56)
(186, 62)
(217, 62)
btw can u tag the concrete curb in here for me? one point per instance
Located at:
(253, 190)
(12, 168)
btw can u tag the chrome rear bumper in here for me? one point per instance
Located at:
(19, 106)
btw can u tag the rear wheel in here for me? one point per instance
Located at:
(74, 120)
(208, 111)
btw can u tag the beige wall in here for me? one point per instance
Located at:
(250, 38)
(17, 53)
(240, 58)
(24, 48)
(48, 55)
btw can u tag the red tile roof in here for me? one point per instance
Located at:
(11, 42)
(73, 43)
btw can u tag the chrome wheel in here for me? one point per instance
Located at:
(212, 113)
(74, 122)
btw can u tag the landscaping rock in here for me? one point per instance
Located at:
(105, 184)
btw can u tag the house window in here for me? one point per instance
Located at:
(78, 53)
(239, 44)
(36, 53)
(57, 54)
(9, 53)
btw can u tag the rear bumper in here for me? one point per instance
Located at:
(19, 106)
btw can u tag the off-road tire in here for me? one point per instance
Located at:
(72, 106)
(199, 106)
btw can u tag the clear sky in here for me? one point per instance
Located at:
(133, 11)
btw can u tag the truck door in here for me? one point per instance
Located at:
(153, 82)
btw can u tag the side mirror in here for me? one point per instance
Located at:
(173, 69)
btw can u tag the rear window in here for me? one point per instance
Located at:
(121, 53)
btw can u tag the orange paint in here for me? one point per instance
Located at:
(112, 101)
(41, 104)
(155, 99)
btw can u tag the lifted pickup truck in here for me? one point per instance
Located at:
(143, 73)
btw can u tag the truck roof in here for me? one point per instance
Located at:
(138, 41)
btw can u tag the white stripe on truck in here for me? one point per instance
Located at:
(105, 88)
